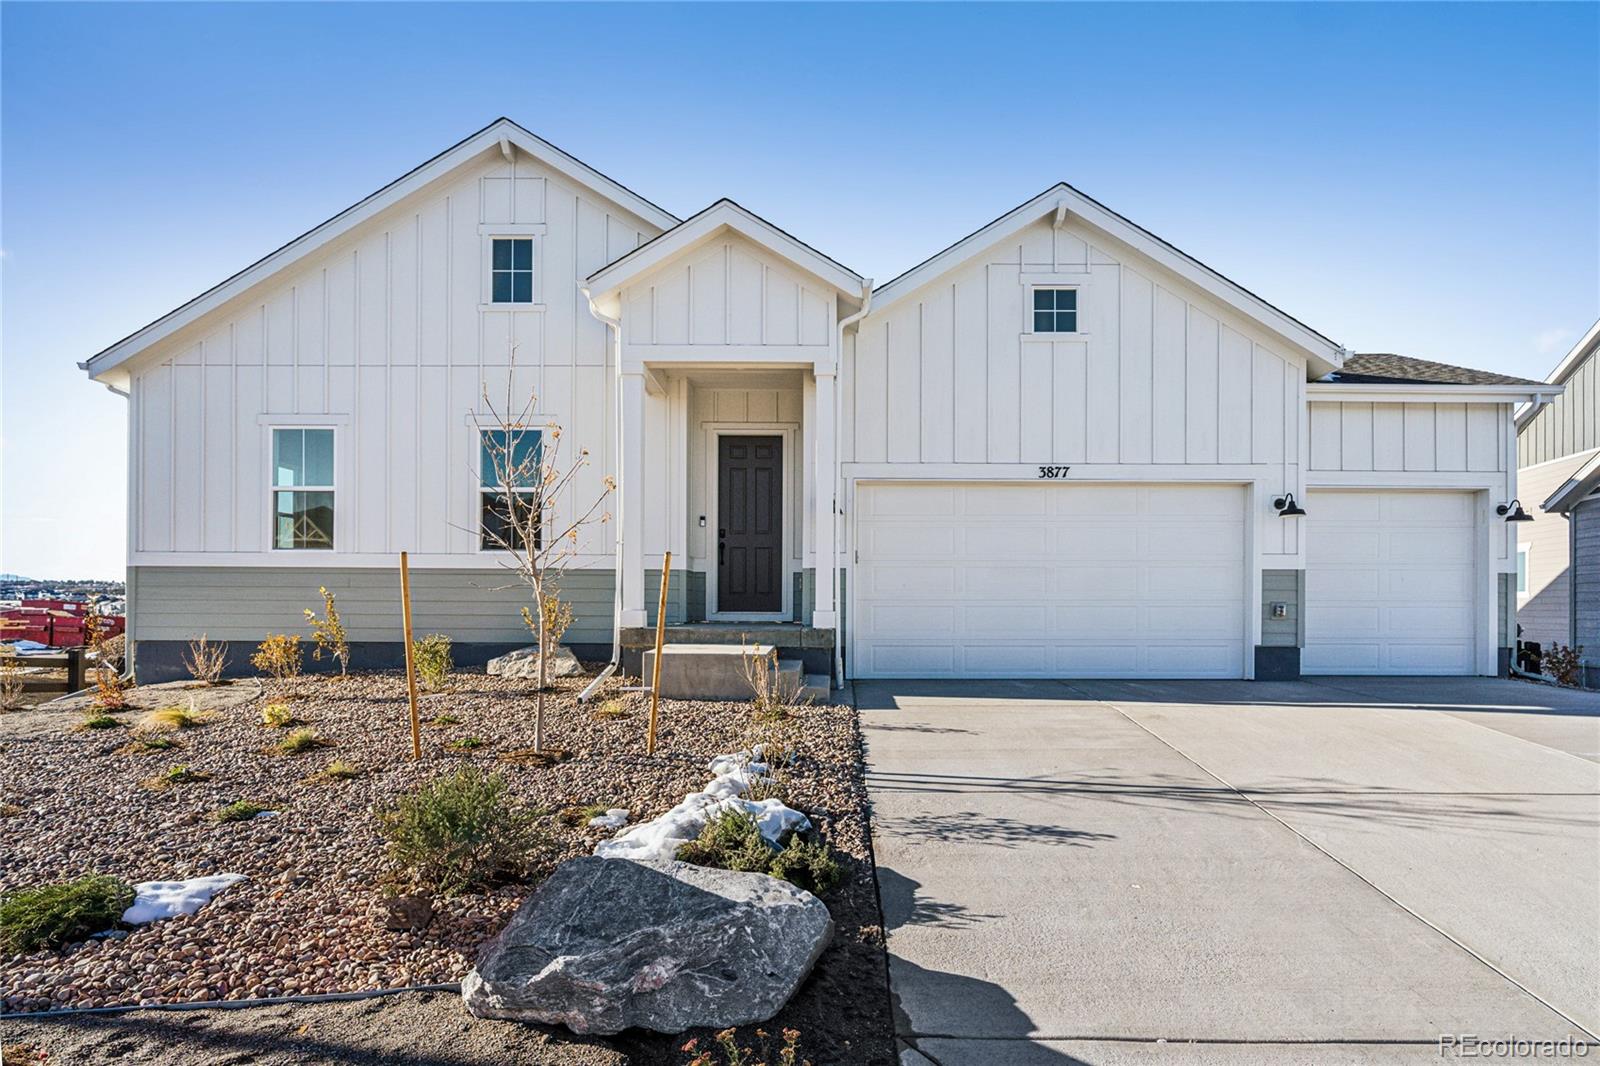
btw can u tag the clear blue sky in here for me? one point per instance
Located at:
(1422, 179)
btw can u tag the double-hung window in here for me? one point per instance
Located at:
(1055, 310)
(302, 488)
(511, 270)
(509, 459)
(1522, 568)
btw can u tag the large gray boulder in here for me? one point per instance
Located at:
(524, 663)
(606, 944)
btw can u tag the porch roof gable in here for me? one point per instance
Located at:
(722, 217)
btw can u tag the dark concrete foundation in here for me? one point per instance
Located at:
(1277, 663)
(162, 660)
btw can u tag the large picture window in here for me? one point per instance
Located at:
(302, 488)
(508, 457)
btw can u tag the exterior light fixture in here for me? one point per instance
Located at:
(1514, 512)
(1286, 506)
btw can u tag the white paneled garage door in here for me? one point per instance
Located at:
(1048, 580)
(1390, 579)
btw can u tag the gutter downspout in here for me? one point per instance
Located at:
(614, 326)
(128, 642)
(838, 466)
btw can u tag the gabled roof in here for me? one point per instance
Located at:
(501, 132)
(1570, 364)
(1577, 488)
(699, 229)
(1385, 368)
(1063, 197)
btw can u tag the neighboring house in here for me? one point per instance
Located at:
(1558, 554)
(1059, 447)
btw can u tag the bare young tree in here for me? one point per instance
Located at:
(525, 512)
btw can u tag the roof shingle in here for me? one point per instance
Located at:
(1385, 368)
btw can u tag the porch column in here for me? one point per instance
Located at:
(824, 614)
(631, 566)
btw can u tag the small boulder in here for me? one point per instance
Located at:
(608, 944)
(524, 664)
(406, 914)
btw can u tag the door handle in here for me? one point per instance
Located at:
(722, 546)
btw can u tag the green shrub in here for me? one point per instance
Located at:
(458, 833)
(431, 656)
(340, 770)
(239, 811)
(611, 709)
(52, 915)
(98, 720)
(171, 718)
(465, 744)
(174, 775)
(807, 865)
(733, 841)
(302, 740)
(730, 841)
(277, 716)
(444, 719)
(328, 632)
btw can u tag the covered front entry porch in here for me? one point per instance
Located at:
(727, 333)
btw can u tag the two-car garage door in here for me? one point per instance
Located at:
(1049, 580)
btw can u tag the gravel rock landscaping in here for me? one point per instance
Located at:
(311, 916)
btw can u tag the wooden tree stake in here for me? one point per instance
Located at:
(411, 666)
(661, 632)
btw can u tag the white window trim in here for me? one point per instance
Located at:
(792, 473)
(273, 488)
(1033, 282)
(1524, 558)
(508, 232)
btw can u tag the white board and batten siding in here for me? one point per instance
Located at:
(386, 335)
(728, 294)
(1161, 382)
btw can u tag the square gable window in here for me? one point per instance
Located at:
(1055, 310)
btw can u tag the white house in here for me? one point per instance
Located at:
(1059, 447)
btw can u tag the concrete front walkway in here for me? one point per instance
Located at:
(1332, 871)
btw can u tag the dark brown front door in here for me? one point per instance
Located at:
(750, 523)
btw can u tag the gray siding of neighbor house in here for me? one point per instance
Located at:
(479, 609)
(1570, 424)
(1545, 610)
(1586, 583)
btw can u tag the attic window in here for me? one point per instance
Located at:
(1055, 310)
(511, 270)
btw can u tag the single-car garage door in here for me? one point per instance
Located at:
(1048, 580)
(1390, 580)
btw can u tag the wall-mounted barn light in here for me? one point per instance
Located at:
(1286, 506)
(1514, 512)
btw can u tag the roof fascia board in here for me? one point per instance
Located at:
(705, 226)
(319, 237)
(1425, 393)
(1140, 240)
(1576, 488)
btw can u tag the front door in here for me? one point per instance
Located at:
(749, 524)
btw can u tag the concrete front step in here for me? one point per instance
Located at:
(717, 672)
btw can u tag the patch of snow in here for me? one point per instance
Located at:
(153, 900)
(615, 818)
(660, 838)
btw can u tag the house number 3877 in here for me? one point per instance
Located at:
(1050, 472)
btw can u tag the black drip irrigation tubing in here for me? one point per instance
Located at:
(228, 1004)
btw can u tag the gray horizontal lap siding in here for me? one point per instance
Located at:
(1288, 588)
(172, 603)
(1586, 579)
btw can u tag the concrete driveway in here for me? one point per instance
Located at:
(1334, 871)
